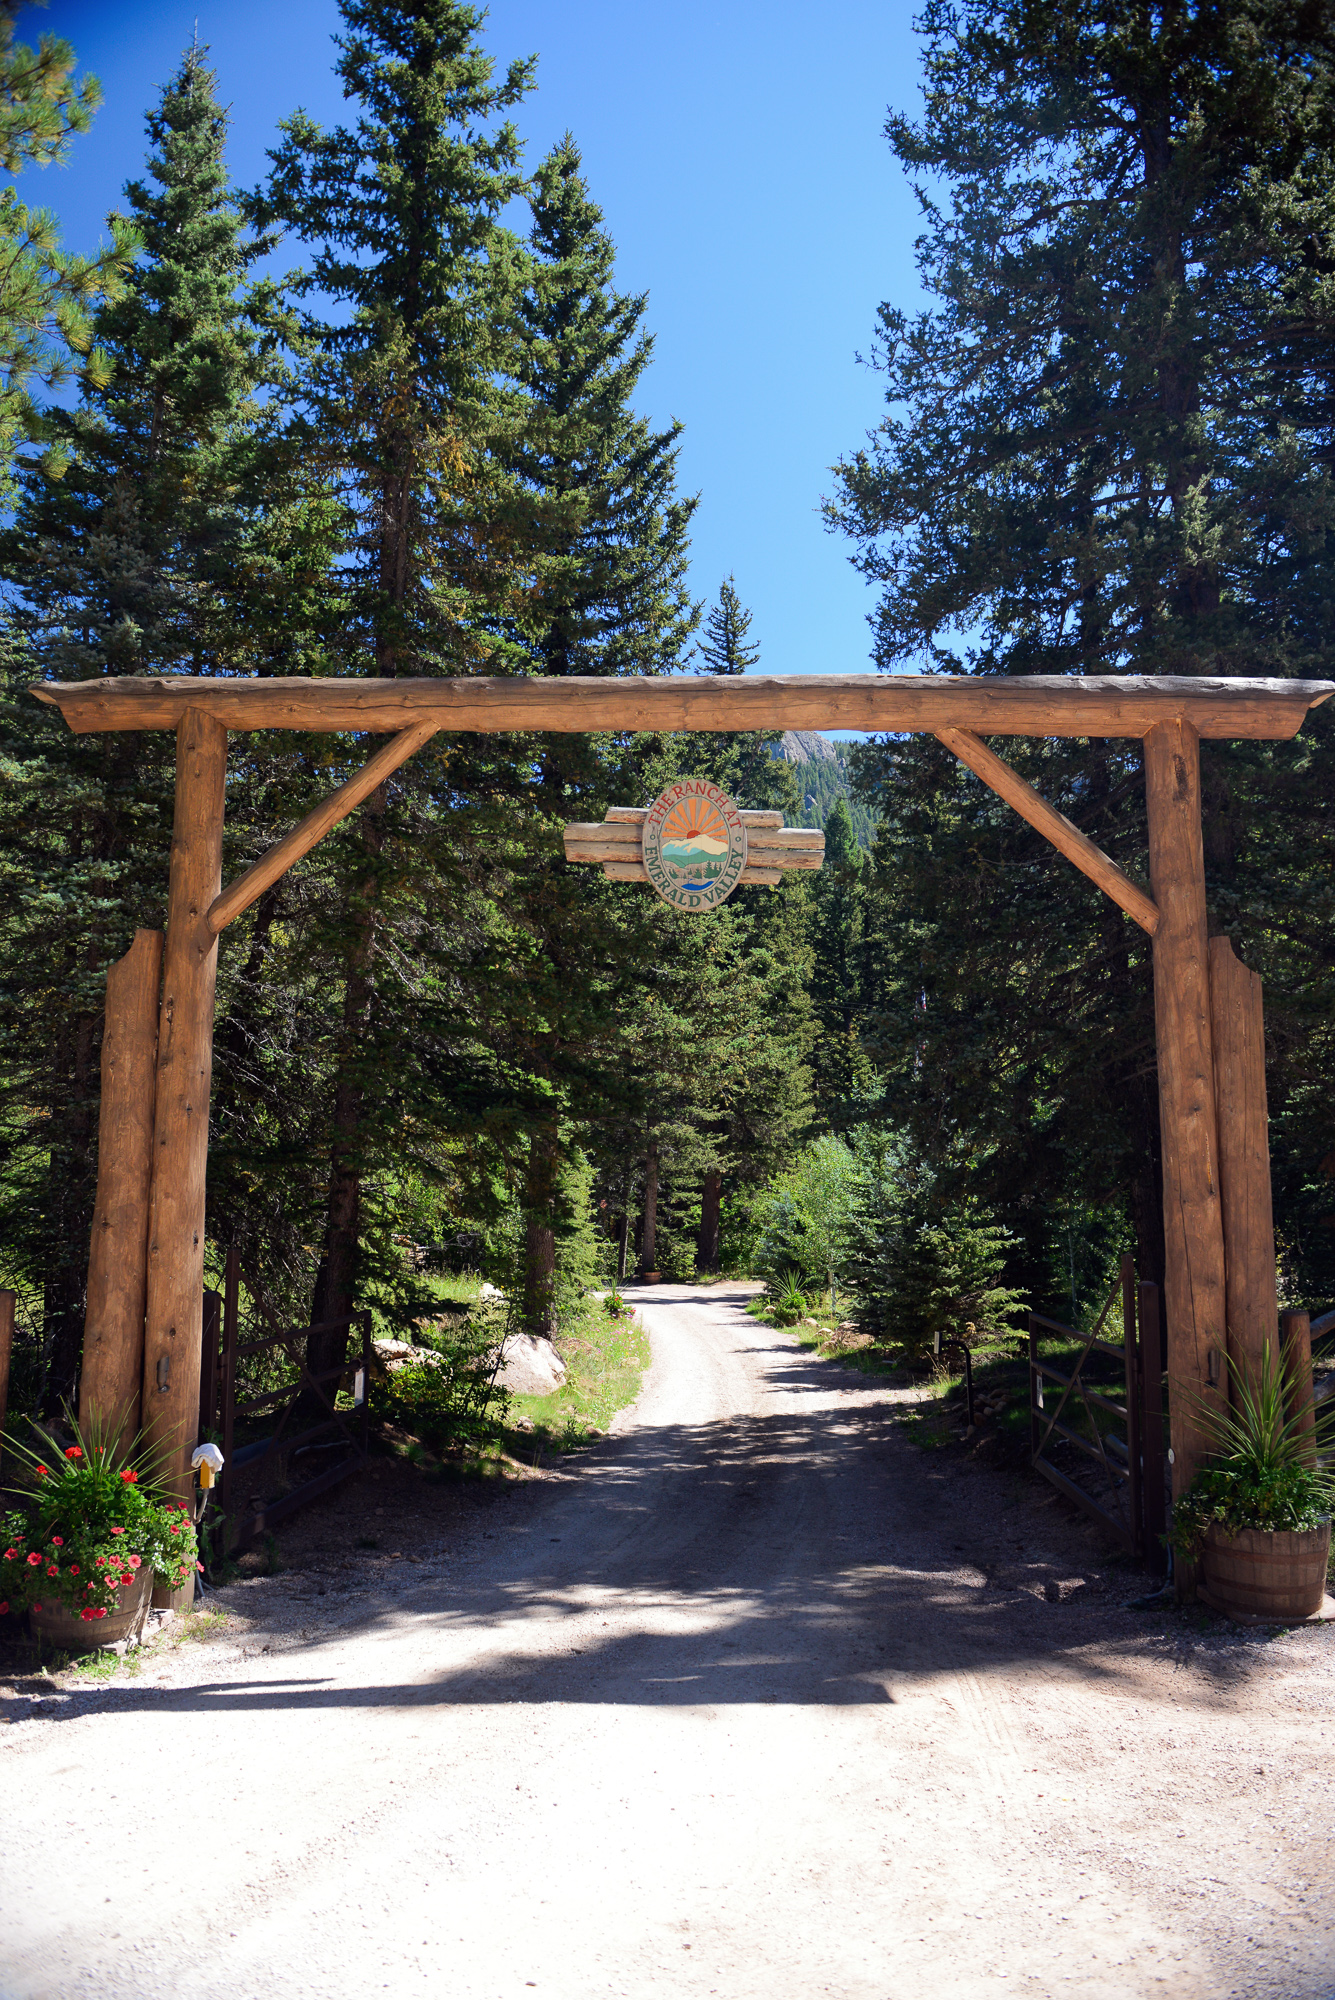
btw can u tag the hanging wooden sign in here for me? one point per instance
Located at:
(694, 846)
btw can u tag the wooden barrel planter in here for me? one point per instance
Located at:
(1274, 1577)
(59, 1626)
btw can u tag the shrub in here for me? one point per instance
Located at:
(452, 1401)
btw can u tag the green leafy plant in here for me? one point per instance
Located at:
(788, 1302)
(90, 1519)
(452, 1400)
(1263, 1472)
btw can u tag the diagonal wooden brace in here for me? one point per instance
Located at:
(248, 888)
(1054, 826)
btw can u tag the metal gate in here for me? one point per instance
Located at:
(261, 1483)
(1102, 1415)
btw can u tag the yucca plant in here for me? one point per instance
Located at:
(1264, 1471)
(789, 1300)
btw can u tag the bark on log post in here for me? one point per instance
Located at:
(1193, 1219)
(175, 1312)
(1296, 1351)
(113, 1331)
(1238, 1029)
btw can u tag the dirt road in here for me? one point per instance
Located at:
(762, 1702)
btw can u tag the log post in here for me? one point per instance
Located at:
(1193, 1219)
(1296, 1354)
(1238, 1030)
(173, 1334)
(113, 1330)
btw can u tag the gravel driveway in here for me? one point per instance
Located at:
(760, 1700)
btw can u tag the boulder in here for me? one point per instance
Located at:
(388, 1356)
(530, 1367)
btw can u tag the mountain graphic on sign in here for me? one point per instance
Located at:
(698, 847)
(694, 830)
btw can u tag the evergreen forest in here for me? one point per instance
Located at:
(379, 416)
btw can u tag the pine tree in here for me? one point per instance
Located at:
(46, 294)
(612, 599)
(843, 1076)
(1108, 452)
(127, 563)
(413, 280)
(724, 648)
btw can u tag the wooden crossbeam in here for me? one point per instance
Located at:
(1054, 826)
(1023, 705)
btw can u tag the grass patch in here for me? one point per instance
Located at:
(827, 1334)
(605, 1360)
(203, 1624)
(98, 1666)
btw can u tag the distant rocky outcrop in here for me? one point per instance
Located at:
(821, 768)
(806, 746)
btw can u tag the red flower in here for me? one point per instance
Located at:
(42, 1471)
(101, 1611)
(74, 1569)
(130, 1476)
(57, 1541)
(100, 1560)
(88, 1612)
(118, 1531)
(51, 1570)
(36, 1607)
(10, 1555)
(176, 1531)
(73, 1451)
(4, 1610)
(34, 1560)
(199, 1565)
(133, 1561)
(127, 1580)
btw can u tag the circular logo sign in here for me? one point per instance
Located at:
(694, 845)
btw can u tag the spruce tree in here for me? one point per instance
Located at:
(127, 563)
(724, 648)
(412, 283)
(1108, 451)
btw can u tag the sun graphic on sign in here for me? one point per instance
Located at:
(696, 823)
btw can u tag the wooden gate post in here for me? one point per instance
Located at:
(113, 1329)
(174, 1327)
(1194, 1307)
(1238, 1027)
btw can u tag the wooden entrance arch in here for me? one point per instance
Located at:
(145, 1296)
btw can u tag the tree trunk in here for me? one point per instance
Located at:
(647, 1247)
(336, 1280)
(540, 1236)
(623, 1250)
(707, 1244)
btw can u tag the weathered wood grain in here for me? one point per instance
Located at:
(173, 1332)
(1019, 705)
(113, 1336)
(1194, 1292)
(1054, 826)
(1237, 1028)
(1296, 1351)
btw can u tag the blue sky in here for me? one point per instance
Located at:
(739, 156)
